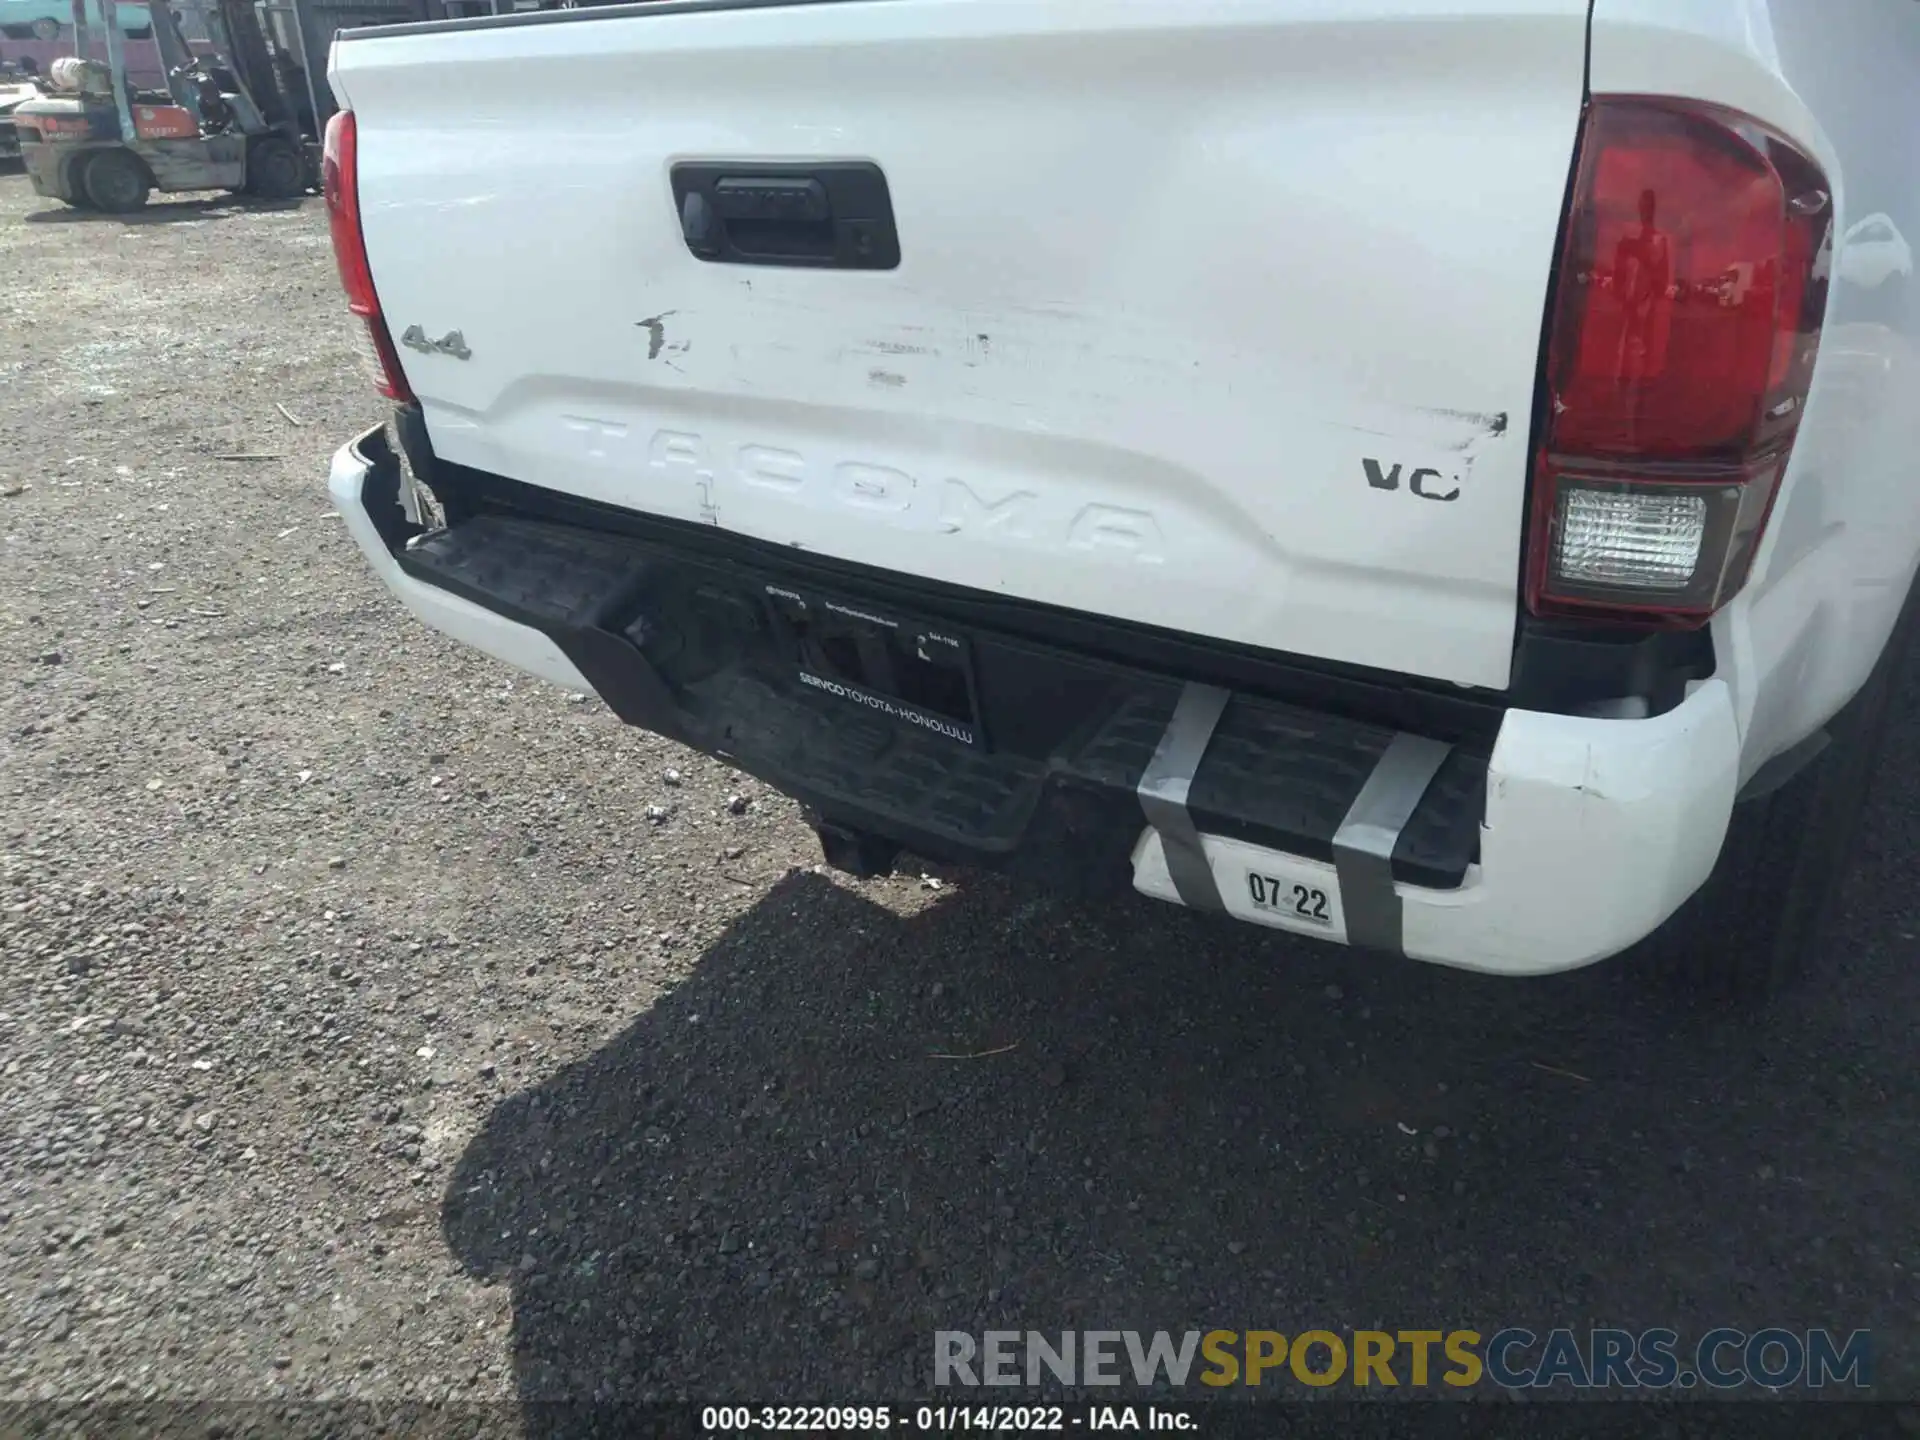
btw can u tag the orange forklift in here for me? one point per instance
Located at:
(233, 121)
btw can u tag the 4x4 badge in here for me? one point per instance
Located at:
(452, 343)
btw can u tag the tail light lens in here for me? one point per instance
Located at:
(1683, 339)
(340, 184)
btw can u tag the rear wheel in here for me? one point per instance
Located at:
(274, 170)
(116, 182)
(1765, 910)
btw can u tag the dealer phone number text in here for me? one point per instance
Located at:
(940, 1419)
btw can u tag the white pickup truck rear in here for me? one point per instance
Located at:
(1424, 457)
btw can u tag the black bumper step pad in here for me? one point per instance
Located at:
(852, 758)
(545, 576)
(686, 647)
(1283, 777)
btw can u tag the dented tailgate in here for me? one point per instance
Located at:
(1217, 315)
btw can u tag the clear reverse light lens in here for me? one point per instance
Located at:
(1647, 540)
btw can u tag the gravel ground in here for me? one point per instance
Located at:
(362, 1034)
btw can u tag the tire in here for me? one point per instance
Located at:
(1765, 911)
(46, 28)
(77, 183)
(116, 182)
(275, 170)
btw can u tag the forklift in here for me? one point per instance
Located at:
(236, 120)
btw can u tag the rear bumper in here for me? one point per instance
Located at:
(1566, 842)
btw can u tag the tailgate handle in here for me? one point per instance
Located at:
(828, 216)
(770, 197)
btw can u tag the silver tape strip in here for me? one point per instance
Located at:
(1363, 845)
(1163, 793)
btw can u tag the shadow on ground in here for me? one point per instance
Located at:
(770, 1187)
(767, 1186)
(164, 212)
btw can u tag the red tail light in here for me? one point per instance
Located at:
(340, 183)
(1691, 294)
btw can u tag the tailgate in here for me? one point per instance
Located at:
(1217, 315)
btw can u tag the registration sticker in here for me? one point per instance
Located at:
(1295, 899)
(1265, 887)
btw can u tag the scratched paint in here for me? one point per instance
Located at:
(1460, 431)
(656, 328)
(1492, 423)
